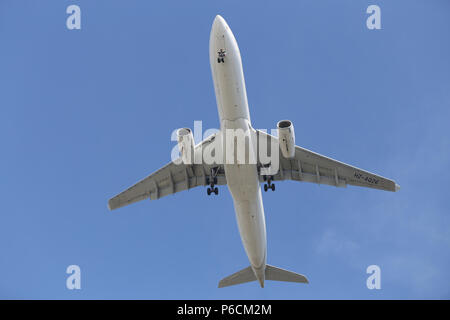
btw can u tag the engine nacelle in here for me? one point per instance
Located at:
(286, 137)
(186, 145)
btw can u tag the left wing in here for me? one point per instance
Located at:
(170, 179)
(312, 167)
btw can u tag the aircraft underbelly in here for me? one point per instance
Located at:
(244, 186)
(242, 179)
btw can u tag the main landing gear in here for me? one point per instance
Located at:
(214, 190)
(212, 180)
(269, 184)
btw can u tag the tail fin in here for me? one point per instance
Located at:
(271, 273)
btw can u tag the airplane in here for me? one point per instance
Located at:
(243, 179)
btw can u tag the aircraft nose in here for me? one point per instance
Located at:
(219, 23)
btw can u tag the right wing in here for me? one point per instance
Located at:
(170, 179)
(312, 167)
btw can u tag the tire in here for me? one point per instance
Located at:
(265, 188)
(208, 191)
(216, 191)
(218, 60)
(273, 187)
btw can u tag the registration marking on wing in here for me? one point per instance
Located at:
(365, 178)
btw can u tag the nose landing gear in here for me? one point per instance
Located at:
(269, 184)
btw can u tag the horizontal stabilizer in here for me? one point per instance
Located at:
(243, 276)
(271, 273)
(277, 274)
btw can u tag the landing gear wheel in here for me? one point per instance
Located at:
(265, 187)
(212, 180)
(272, 187)
(218, 60)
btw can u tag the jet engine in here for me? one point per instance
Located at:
(286, 137)
(186, 145)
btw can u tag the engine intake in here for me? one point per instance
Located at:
(286, 137)
(186, 145)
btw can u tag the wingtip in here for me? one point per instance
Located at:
(397, 187)
(110, 207)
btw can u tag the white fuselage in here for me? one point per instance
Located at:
(242, 179)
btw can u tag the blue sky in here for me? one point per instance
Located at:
(86, 113)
